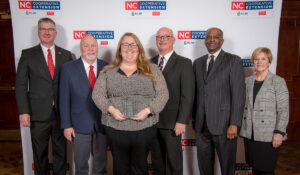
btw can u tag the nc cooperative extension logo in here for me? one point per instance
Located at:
(191, 34)
(247, 63)
(98, 34)
(251, 5)
(145, 5)
(39, 5)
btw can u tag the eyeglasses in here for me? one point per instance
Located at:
(127, 45)
(164, 37)
(49, 29)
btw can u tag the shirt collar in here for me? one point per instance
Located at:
(167, 56)
(87, 65)
(45, 49)
(216, 54)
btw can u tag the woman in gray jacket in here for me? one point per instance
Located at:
(266, 114)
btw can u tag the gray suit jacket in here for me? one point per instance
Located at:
(180, 79)
(220, 96)
(270, 111)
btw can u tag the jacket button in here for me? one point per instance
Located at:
(261, 110)
(244, 118)
(246, 108)
(262, 121)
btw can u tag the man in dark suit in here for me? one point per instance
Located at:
(220, 99)
(80, 117)
(180, 79)
(37, 84)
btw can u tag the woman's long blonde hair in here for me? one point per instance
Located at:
(143, 64)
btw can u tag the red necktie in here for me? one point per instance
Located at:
(92, 78)
(50, 64)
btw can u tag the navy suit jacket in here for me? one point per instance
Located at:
(77, 108)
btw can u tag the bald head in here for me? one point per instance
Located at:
(165, 40)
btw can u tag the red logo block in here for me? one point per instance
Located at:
(236, 5)
(25, 5)
(131, 5)
(103, 42)
(79, 34)
(184, 142)
(50, 13)
(262, 13)
(184, 34)
(155, 13)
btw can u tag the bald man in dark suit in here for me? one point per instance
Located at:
(220, 99)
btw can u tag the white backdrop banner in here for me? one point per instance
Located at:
(247, 24)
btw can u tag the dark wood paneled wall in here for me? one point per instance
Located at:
(9, 115)
(288, 64)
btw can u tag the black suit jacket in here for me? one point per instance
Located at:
(220, 96)
(35, 89)
(180, 79)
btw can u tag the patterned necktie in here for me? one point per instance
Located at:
(50, 64)
(211, 63)
(161, 63)
(92, 78)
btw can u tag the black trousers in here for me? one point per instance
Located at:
(167, 150)
(226, 150)
(129, 150)
(40, 136)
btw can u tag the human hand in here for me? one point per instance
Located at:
(116, 113)
(24, 120)
(232, 132)
(277, 140)
(142, 115)
(69, 133)
(179, 128)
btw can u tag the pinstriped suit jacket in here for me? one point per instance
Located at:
(270, 111)
(220, 96)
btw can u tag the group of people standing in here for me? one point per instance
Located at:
(137, 105)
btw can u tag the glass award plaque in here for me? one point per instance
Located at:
(128, 108)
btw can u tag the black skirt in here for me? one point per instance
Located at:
(261, 156)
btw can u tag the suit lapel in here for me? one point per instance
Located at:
(155, 60)
(218, 61)
(41, 57)
(250, 87)
(82, 72)
(204, 68)
(170, 63)
(58, 61)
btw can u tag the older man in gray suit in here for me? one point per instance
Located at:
(220, 98)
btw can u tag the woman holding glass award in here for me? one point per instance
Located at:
(130, 93)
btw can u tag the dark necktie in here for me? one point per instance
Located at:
(50, 64)
(211, 63)
(92, 78)
(161, 63)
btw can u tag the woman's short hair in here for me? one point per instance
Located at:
(264, 50)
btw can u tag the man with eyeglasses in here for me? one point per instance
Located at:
(219, 105)
(37, 82)
(80, 117)
(180, 79)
